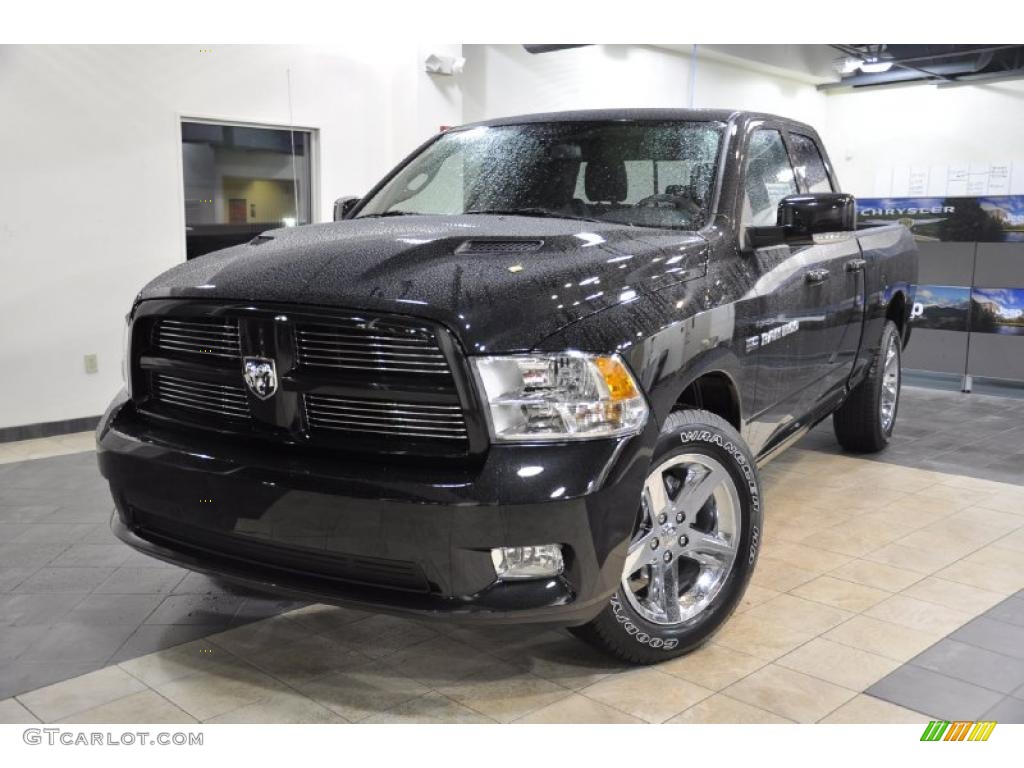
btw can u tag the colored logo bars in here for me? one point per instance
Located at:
(961, 730)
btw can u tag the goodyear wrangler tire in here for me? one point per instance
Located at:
(693, 548)
(865, 421)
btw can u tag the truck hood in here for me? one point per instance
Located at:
(501, 283)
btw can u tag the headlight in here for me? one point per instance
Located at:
(565, 396)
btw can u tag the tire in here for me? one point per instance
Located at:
(697, 454)
(862, 423)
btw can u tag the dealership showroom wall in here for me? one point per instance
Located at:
(905, 605)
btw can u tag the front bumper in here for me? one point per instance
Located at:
(405, 538)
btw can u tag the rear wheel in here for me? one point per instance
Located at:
(693, 547)
(865, 421)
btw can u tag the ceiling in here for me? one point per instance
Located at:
(864, 65)
(870, 65)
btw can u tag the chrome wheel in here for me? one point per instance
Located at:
(686, 542)
(890, 384)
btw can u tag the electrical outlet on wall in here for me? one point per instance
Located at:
(92, 364)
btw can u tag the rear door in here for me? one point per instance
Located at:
(833, 282)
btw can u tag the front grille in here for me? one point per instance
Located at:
(198, 336)
(395, 419)
(366, 383)
(203, 396)
(390, 349)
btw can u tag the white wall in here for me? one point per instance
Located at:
(91, 202)
(871, 132)
(506, 80)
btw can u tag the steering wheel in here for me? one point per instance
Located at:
(665, 200)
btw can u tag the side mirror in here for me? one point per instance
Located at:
(800, 217)
(343, 206)
(805, 215)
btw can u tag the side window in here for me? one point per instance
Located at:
(808, 163)
(767, 178)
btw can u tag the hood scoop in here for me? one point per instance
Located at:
(484, 247)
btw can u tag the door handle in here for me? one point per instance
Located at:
(855, 265)
(815, 276)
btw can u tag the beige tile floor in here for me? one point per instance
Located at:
(849, 586)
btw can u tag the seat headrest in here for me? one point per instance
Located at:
(700, 181)
(605, 181)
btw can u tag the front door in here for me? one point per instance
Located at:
(790, 305)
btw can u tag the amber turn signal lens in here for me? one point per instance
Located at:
(620, 383)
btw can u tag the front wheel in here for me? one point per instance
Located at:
(694, 544)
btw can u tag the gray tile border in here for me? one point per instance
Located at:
(19, 610)
(973, 665)
(977, 672)
(111, 610)
(21, 676)
(1010, 611)
(128, 580)
(67, 579)
(933, 694)
(91, 643)
(1009, 710)
(992, 635)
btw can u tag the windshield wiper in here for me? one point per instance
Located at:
(545, 213)
(389, 213)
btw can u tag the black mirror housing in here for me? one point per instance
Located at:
(343, 206)
(802, 216)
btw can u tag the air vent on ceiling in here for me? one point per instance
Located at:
(481, 247)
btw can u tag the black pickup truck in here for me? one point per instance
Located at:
(528, 378)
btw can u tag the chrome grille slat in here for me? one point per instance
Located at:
(398, 413)
(337, 399)
(167, 326)
(386, 369)
(386, 349)
(403, 433)
(202, 405)
(364, 337)
(202, 384)
(354, 358)
(427, 430)
(385, 418)
(328, 350)
(216, 400)
(372, 346)
(197, 337)
(197, 395)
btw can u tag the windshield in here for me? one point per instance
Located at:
(642, 174)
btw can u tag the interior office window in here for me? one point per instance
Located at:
(242, 180)
(768, 178)
(809, 164)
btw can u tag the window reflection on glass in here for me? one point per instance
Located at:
(240, 181)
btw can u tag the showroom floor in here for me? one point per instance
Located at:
(888, 590)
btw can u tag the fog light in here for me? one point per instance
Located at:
(538, 562)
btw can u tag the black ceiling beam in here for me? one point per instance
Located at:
(984, 77)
